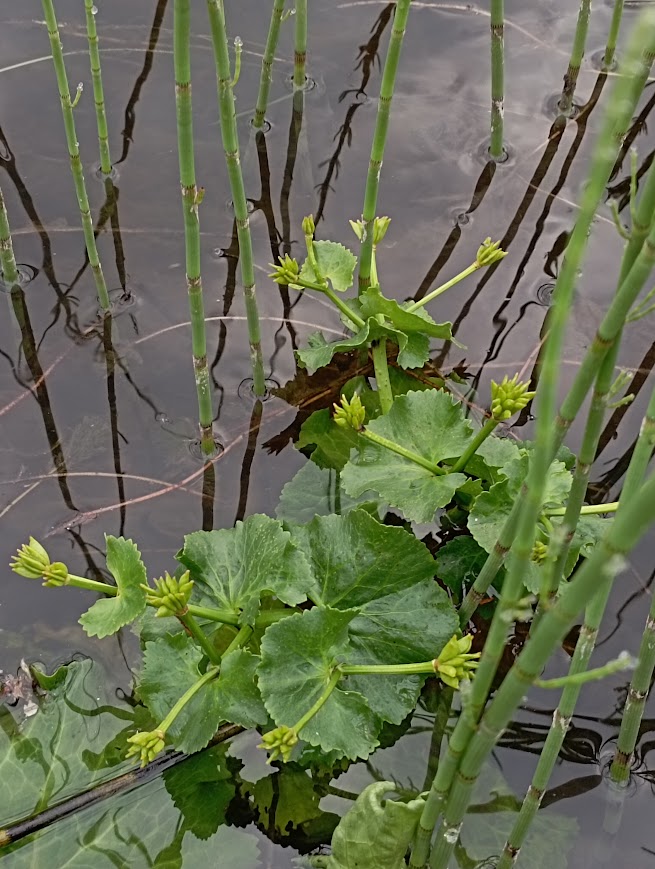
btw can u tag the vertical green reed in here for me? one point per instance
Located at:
(191, 198)
(565, 104)
(74, 153)
(230, 141)
(613, 35)
(379, 139)
(455, 780)
(496, 150)
(643, 674)
(300, 45)
(98, 93)
(8, 271)
(267, 64)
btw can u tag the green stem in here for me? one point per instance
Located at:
(472, 448)
(579, 679)
(640, 684)
(379, 139)
(528, 505)
(561, 720)
(267, 64)
(497, 20)
(212, 673)
(243, 635)
(426, 667)
(198, 635)
(300, 45)
(74, 153)
(612, 37)
(441, 719)
(334, 298)
(586, 509)
(381, 367)
(230, 141)
(226, 617)
(555, 570)
(191, 197)
(442, 289)
(565, 105)
(605, 561)
(8, 271)
(625, 95)
(329, 688)
(401, 451)
(98, 93)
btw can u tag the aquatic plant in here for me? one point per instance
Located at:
(497, 24)
(98, 91)
(8, 270)
(267, 64)
(565, 105)
(67, 106)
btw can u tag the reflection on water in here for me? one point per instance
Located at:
(97, 418)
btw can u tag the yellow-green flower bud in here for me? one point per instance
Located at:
(539, 552)
(287, 272)
(146, 744)
(31, 560)
(456, 662)
(55, 574)
(488, 253)
(170, 595)
(509, 397)
(308, 226)
(380, 227)
(279, 743)
(350, 414)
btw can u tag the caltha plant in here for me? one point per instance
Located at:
(371, 319)
(235, 646)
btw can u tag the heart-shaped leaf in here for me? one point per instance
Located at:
(430, 424)
(110, 614)
(374, 303)
(233, 568)
(313, 492)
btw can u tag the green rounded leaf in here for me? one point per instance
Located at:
(233, 568)
(110, 614)
(298, 655)
(430, 424)
(336, 263)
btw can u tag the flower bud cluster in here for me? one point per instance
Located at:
(146, 744)
(509, 397)
(33, 562)
(489, 253)
(287, 272)
(350, 414)
(380, 227)
(456, 662)
(170, 595)
(279, 743)
(539, 552)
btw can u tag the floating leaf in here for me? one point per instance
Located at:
(298, 655)
(430, 424)
(376, 832)
(313, 492)
(110, 614)
(336, 263)
(171, 667)
(332, 443)
(233, 567)
(45, 759)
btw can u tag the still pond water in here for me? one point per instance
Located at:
(94, 448)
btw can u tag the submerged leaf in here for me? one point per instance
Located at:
(202, 788)
(233, 568)
(430, 424)
(298, 655)
(376, 832)
(110, 614)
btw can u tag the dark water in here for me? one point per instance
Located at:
(94, 449)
